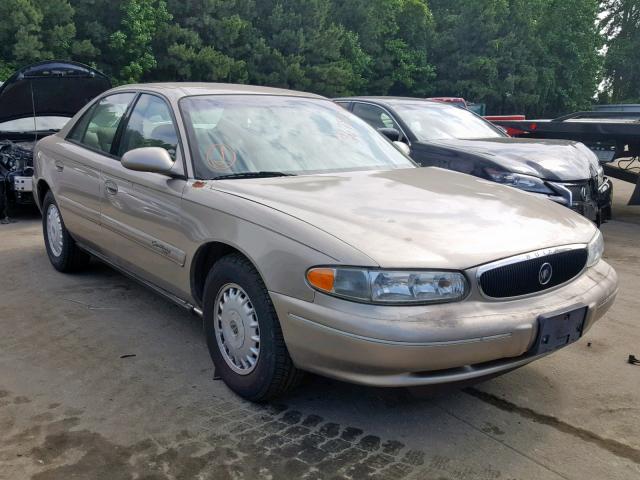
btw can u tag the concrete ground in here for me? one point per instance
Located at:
(101, 379)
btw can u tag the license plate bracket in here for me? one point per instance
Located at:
(559, 330)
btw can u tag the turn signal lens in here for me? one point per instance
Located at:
(322, 278)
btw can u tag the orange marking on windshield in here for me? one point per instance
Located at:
(220, 157)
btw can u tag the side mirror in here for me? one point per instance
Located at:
(148, 159)
(403, 147)
(391, 133)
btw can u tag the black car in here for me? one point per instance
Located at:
(37, 101)
(446, 136)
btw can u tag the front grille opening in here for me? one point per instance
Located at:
(523, 277)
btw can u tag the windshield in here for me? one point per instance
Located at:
(259, 133)
(44, 123)
(439, 122)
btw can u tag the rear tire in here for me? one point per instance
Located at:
(64, 254)
(236, 298)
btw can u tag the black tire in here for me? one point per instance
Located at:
(70, 258)
(274, 373)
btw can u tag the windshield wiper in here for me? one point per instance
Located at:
(262, 174)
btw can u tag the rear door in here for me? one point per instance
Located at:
(78, 164)
(142, 221)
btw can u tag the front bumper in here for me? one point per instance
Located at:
(410, 346)
(585, 199)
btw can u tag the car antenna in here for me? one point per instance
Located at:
(33, 108)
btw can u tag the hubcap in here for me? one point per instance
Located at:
(236, 329)
(54, 230)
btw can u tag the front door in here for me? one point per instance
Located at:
(142, 223)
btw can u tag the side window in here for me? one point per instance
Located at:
(374, 116)
(97, 127)
(150, 125)
(388, 121)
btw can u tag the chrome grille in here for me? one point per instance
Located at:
(577, 193)
(523, 275)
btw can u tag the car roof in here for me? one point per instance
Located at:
(391, 101)
(177, 90)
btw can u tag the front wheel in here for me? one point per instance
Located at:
(62, 250)
(243, 332)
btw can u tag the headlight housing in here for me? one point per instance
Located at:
(519, 180)
(595, 249)
(390, 287)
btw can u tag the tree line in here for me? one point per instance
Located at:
(539, 57)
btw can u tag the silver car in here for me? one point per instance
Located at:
(308, 242)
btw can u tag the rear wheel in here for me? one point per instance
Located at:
(62, 250)
(243, 332)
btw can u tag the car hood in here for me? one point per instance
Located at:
(555, 160)
(418, 217)
(52, 88)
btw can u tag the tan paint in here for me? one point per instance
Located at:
(419, 218)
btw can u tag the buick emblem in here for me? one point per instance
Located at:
(545, 273)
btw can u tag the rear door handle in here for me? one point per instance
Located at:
(111, 187)
(59, 166)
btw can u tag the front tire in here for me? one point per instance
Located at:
(243, 332)
(64, 254)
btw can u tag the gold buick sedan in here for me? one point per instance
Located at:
(308, 242)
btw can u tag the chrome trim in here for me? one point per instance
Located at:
(529, 256)
(564, 189)
(155, 245)
(604, 187)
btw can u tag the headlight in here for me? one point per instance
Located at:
(389, 287)
(595, 249)
(518, 180)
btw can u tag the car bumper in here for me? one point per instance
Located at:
(596, 208)
(422, 345)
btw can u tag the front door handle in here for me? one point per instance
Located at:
(111, 187)
(59, 166)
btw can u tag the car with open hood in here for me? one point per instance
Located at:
(308, 242)
(442, 135)
(36, 101)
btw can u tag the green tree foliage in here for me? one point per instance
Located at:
(571, 61)
(467, 47)
(95, 21)
(57, 29)
(396, 35)
(130, 45)
(307, 47)
(20, 28)
(621, 25)
(525, 56)
(539, 57)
